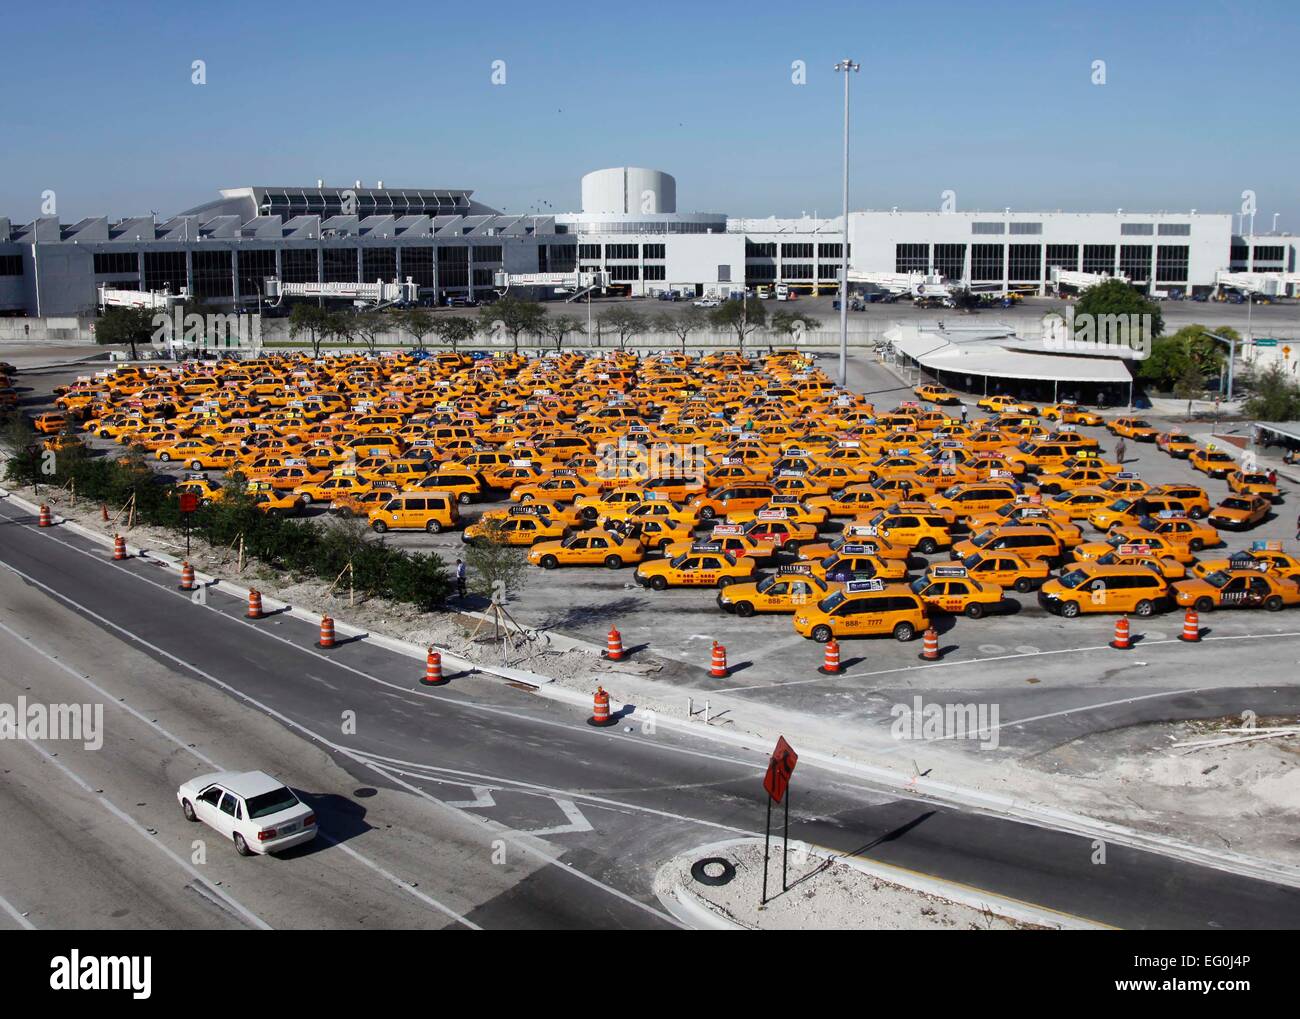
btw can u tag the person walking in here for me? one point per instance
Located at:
(1272, 476)
(964, 412)
(1120, 450)
(460, 580)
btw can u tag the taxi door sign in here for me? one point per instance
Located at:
(528, 510)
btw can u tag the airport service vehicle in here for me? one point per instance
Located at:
(255, 811)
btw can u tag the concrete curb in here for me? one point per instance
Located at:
(898, 782)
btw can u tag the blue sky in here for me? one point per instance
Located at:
(993, 100)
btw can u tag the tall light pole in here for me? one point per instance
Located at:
(846, 66)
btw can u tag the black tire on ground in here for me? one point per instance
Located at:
(928, 547)
(659, 583)
(306, 498)
(613, 562)
(433, 527)
(195, 465)
(1203, 605)
(744, 609)
(164, 457)
(187, 808)
(1069, 609)
(241, 847)
(726, 581)
(379, 527)
(464, 498)
(1024, 585)
(975, 610)
(822, 634)
(1144, 608)
(708, 513)
(1273, 603)
(904, 632)
(1196, 545)
(549, 562)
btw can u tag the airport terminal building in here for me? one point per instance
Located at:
(452, 246)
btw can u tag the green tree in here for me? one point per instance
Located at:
(743, 317)
(418, 322)
(790, 323)
(369, 325)
(126, 325)
(309, 320)
(499, 571)
(454, 330)
(1171, 356)
(689, 320)
(626, 322)
(1115, 297)
(515, 315)
(557, 327)
(1276, 397)
(1190, 384)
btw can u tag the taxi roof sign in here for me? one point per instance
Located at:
(1266, 546)
(948, 572)
(803, 569)
(856, 586)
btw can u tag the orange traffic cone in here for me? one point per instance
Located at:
(930, 646)
(254, 604)
(119, 547)
(600, 715)
(1191, 627)
(187, 577)
(103, 512)
(718, 665)
(45, 518)
(433, 670)
(614, 645)
(1121, 641)
(831, 665)
(326, 633)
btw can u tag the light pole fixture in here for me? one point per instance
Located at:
(846, 66)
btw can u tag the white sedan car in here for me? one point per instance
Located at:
(708, 302)
(259, 814)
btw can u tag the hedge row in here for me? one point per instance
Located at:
(303, 548)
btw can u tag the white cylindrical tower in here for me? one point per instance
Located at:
(628, 189)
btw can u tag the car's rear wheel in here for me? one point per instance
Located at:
(589, 513)
(904, 632)
(549, 562)
(306, 498)
(613, 562)
(464, 498)
(744, 608)
(241, 847)
(1069, 609)
(379, 527)
(433, 527)
(164, 457)
(1197, 513)
(659, 583)
(975, 610)
(187, 808)
(1196, 544)
(1024, 585)
(1144, 608)
(928, 547)
(1273, 603)
(822, 633)
(707, 513)
(195, 465)
(1204, 605)
(726, 581)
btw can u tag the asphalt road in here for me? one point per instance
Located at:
(430, 785)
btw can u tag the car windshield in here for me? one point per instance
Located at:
(676, 563)
(831, 601)
(971, 561)
(271, 803)
(919, 584)
(1025, 447)
(765, 583)
(1108, 559)
(1005, 509)
(1073, 579)
(1240, 504)
(1217, 579)
(1121, 504)
(1255, 479)
(952, 491)
(982, 539)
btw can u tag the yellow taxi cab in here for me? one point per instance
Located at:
(1237, 588)
(272, 503)
(730, 538)
(1079, 504)
(1138, 554)
(731, 499)
(295, 472)
(703, 565)
(935, 394)
(1006, 569)
(1283, 564)
(790, 589)
(1253, 483)
(601, 504)
(563, 484)
(1131, 510)
(1175, 524)
(1000, 404)
(1159, 544)
(1092, 587)
(853, 562)
(789, 507)
(975, 497)
(1240, 512)
(1026, 541)
(183, 449)
(951, 589)
(522, 526)
(1135, 428)
(425, 510)
(206, 489)
(588, 548)
(853, 500)
(1071, 480)
(1070, 413)
(656, 532)
(50, 423)
(1192, 497)
(864, 608)
(220, 458)
(856, 533)
(1177, 444)
(1214, 462)
(925, 532)
(562, 513)
(1028, 514)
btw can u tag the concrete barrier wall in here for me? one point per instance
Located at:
(51, 329)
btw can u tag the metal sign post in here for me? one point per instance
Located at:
(777, 783)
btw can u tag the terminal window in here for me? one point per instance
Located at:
(299, 265)
(589, 251)
(797, 270)
(987, 228)
(110, 262)
(986, 262)
(1136, 229)
(1099, 258)
(760, 249)
(1240, 252)
(378, 264)
(655, 251)
(623, 251)
(1025, 261)
(950, 261)
(796, 251)
(340, 265)
(11, 265)
(1135, 262)
(1026, 228)
(656, 272)
(484, 277)
(254, 267)
(561, 257)
(164, 270)
(624, 272)
(1172, 263)
(213, 274)
(830, 251)
(487, 253)
(1174, 229)
(1270, 253)
(453, 266)
(760, 273)
(911, 258)
(418, 264)
(828, 271)
(1063, 256)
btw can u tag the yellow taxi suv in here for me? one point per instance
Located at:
(936, 394)
(1237, 588)
(790, 589)
(925, 532)
(951, 589)
(852, 562)
(864, 608)
(1026, 541)
(588, 548)
(705, 565)
(1093, 587)
(416, 511)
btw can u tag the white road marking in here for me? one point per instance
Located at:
(577, 821)
(482, 799)
(18, 918)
